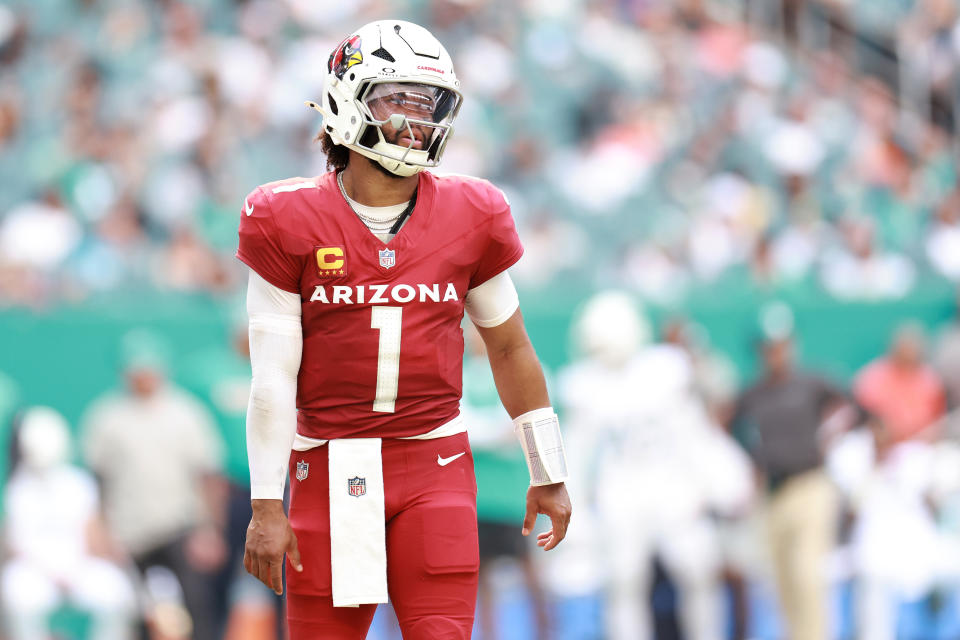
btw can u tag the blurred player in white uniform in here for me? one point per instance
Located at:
(898, 551)
(655, 467)
(51, 511)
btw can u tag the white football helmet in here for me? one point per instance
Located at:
(611, 328)
(44, 438)
(391, 95)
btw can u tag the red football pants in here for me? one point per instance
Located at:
(432, 556)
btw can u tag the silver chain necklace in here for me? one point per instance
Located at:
(366, 219)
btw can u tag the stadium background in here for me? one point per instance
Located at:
(708, 156)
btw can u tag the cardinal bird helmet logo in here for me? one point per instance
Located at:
(345, 56)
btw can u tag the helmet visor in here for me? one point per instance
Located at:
(413, 119)
(413, 100)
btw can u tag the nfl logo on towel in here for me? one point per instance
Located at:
(388, 258)
(303, 470)
(356, 486)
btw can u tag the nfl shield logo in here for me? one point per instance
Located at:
(303, 470)
(388, 258)
(356, 486)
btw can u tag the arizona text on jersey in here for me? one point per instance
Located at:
(382, 347)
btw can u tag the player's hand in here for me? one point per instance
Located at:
(269, 536)
(551, 500)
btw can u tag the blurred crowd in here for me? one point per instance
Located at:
(661, 147)
(679, 143)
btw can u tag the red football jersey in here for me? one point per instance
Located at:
(382, 344)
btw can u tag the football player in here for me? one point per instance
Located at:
(358, 282)
(653, 465)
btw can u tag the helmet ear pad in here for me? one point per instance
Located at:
(342, 119)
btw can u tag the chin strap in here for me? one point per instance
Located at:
(403, 216)
(539, 435)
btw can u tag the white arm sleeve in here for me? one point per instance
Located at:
(493, 302)
(276, 343)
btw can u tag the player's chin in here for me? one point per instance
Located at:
(378, 167)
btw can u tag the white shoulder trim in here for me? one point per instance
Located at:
(296, 186)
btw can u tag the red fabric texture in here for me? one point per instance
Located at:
(459, 235)
(432, 553)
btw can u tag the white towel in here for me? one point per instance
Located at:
(358, 550)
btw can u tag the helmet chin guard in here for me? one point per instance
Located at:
(391, 95)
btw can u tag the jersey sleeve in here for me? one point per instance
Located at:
(261, 247)
(503, 248)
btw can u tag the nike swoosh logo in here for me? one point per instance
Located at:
(248, 207)
(445, 461)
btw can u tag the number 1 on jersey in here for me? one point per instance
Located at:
(388, 321)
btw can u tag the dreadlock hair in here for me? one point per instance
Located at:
(338, 156)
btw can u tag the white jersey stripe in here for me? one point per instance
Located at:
(296, 186)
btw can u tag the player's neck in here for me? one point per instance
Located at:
(367, 185)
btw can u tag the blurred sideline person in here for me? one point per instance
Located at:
(889, 472)
(156, 454)
(358, 282)
(898, 552)
(656, 469)
(715, 375)
(56, 544)
(778, 419)
(219, 374)
(902, 390)
(716, 384)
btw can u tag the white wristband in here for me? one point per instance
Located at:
(539, 435)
